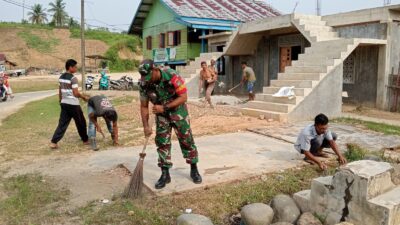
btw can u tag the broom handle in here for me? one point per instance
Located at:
(234, 87)
(145, 144)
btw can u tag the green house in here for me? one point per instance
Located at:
(177, 31)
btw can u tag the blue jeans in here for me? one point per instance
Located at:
(250, 86)
(92, 128)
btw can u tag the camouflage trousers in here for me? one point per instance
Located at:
(183, 132)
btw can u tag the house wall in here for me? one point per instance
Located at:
(372, 30)
(264, 61)
(393, 49)
(364, 89)
(161, 20)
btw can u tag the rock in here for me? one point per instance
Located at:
(257, 214)
(282, 223)
(193, 219)
(344, 223)
(285, 209)
(372, 157)
(308, 219)
(302, 200)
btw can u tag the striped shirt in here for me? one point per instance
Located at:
(67, 83)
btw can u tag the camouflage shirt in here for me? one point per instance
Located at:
(167, 90)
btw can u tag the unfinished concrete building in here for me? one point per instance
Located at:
(322, 57)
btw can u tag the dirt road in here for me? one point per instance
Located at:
(12, 105)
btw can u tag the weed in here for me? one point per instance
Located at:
(378, 127)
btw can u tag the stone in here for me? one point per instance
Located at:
(193, 219)
(282, 223)
(372, 157)
(344, 223)
(302, 200)
(308, 219)
(257, 214)
(285, 209)
(320, 194)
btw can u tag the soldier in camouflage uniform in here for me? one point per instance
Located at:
(166, 90)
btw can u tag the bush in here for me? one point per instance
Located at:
(355, 153)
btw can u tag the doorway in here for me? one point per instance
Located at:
(287, 55)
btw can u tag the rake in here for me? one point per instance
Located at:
(135, 186)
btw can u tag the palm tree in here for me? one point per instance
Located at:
(37, 15)
(72, 23)
(60, 16)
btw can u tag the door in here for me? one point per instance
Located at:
(285, 58)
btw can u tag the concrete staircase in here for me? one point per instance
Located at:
(191, 71)
(323, 59)
(361, 192)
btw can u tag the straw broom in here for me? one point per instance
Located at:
(135, 186)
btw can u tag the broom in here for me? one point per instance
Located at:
(135, 186)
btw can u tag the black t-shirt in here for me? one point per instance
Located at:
(100, 104)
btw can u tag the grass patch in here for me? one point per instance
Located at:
(355, 153)
(20, 86)
(116, 42)
(28, 198)
(217, 202)
(25, 25)
(45, 45)
(378, 127)
(30, 129)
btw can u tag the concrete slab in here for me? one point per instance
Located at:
(223, 158)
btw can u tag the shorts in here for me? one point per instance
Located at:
(250, 86)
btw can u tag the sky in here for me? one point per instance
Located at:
(118, 14)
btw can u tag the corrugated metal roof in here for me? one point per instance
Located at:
(236, 10)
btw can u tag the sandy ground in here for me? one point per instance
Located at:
(371, 114)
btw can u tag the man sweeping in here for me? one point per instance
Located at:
(314, 138)
(100, 106)
(166, 90)
(249, 77)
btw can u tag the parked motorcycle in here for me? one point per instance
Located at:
(124, 83)
(89, 82)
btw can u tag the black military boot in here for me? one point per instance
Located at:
(164, 179)
(194, 174)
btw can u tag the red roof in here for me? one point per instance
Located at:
(236, 10)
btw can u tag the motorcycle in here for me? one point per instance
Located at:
(89, 82)
(124, 83)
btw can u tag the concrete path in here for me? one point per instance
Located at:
(223, 158)
(367, 139)
(12, 105)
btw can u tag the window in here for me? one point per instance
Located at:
(174, 38)
(171, 38)
(162, 40)
(177, 38)
(349, 70)
(149, 43)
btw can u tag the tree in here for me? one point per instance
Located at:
(60, 16)
(72, 23)
(37, 15)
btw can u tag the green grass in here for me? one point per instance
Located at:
(116, 42)
(355, 153)
(378, 127)
(45, 45)
(20, 86)
(127, 99)
(28, 198)
(24, 25)
(218, 202)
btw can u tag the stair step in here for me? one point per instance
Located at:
(320, 56)
(281, 117)
(327, 48)
(326, 62)
(297, 91)
(282, 100)
(269, 106)
(307, 17)
(315, 27)
(295, 83)
(299, 76)
(389, 200)
(306, 69)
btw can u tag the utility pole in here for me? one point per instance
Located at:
(23, 11)
(386, 2)
(83, 54)
(318, 9)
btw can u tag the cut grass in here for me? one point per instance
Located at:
(378, 127)
(20, 86)
(45, 45)
(28, 199)
(218, 202)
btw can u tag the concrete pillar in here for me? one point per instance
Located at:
(382, 98)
